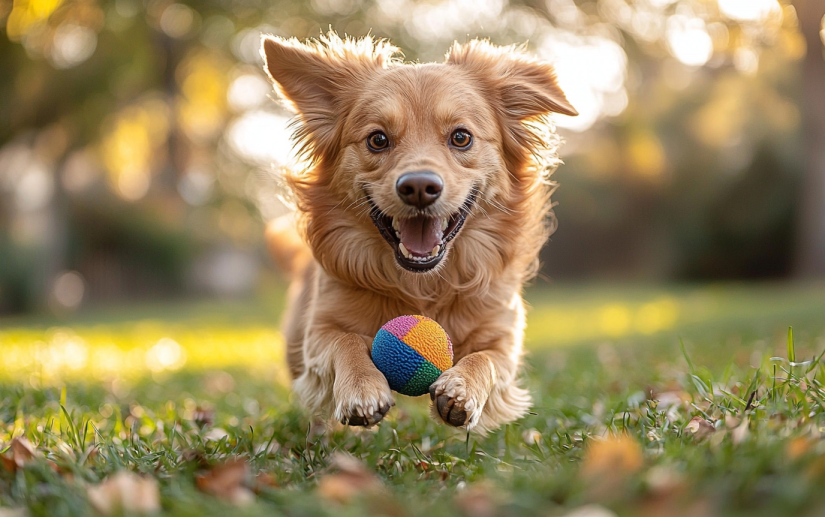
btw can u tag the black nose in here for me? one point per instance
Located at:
(419, 189)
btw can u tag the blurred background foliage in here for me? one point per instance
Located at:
(140, 146)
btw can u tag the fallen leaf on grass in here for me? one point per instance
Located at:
(617, 455)
(609, 463)
(265, 480)
(226, 481)
(203, 416)
(798, 447)
(125, 492)
(351, 479)
(699, 427)
(21, 451)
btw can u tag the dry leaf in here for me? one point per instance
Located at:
(226, 481)
(617, 455)
(351, 479)
(21, 451)
(608, 464)
(125, 492)
(265, 480)
(699, 427)
(203, 416)
(798, 447)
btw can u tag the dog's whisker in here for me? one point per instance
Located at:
(358, 202)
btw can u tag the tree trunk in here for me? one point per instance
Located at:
(810, 260)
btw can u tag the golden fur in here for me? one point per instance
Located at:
(341, 91)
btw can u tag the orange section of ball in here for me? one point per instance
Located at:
(429, 339)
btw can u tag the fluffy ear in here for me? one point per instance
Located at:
(315, 79)
(526, 87)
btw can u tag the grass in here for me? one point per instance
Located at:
(679, 401)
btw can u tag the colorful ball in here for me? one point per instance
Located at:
(411, 352)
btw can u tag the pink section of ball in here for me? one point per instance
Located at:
(400, 326)
(450, 346)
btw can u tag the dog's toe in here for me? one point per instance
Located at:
(450, 412)
(355, 421)
(368, 420)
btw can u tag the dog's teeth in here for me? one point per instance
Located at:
(398, 234)
(395, 224)
(444, 224)
(435, 250)
(403, 250)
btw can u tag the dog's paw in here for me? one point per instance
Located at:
(362, 400)
(456, 401)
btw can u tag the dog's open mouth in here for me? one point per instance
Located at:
(420, 242)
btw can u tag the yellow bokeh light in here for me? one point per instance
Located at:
(203, 83)
(645, 155)
(614, 319)
(130, 148)
(720, 121)
(25, 14)
(657, 315)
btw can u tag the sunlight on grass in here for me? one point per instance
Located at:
(627, 417)
(565, 315)
(561, 325)
(47, 358)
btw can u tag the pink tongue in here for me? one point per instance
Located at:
(420, 234)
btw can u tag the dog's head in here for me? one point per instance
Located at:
(416, 146)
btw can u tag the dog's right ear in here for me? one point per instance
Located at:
(317, 78)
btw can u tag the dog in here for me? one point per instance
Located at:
(425, 191)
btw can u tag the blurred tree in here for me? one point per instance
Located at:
(124, 118)
(811, 234)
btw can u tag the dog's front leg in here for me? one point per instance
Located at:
(460, 394)
(360, 395)
(481, 391)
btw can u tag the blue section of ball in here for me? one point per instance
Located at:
(395, 359)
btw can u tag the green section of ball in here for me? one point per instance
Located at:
(419, 383)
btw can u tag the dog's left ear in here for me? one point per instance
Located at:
(526, 87)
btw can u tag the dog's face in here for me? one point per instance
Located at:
(414, 145)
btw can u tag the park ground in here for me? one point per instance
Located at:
(685, 400)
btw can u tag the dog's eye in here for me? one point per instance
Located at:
(378, 141)
(461, 139)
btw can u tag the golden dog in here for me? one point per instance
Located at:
(426, 192)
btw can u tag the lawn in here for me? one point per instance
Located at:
(648, 401)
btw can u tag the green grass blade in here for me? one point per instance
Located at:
(74, 435)
(815, 362)
(687, 357)
(791, 354)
